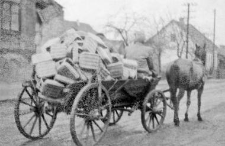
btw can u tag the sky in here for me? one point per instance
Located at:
(98, 12)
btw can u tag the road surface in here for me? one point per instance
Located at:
(129, 131)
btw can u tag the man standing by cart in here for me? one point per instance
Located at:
(143, 55)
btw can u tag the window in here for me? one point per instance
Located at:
(173, 37)
(10, 16)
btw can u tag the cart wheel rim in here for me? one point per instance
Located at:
(115, 116)
(90, 116)
(32, 118)
(153, 111)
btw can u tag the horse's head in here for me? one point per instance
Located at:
(200, 53)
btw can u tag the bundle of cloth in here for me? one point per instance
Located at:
(74, 57)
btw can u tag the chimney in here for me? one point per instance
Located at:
(181, 20)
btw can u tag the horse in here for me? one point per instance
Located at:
(187, 75)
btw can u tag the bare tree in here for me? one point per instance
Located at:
(126, 25)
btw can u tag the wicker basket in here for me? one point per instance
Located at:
(45, 69)
(90, 45)
(75, 52)
(105, 55)
(41, 57)
(130, 68)
(51, 88)
(69, 37)
(89, 60)
(67, 70)
(58, 51)
(63, 79)
(116, 70)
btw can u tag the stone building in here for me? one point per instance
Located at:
(25, 25)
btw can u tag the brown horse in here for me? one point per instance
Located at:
(187, 75)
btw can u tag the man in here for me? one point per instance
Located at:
(143, 55)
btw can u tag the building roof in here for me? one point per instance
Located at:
(79, 26)
(194, 34)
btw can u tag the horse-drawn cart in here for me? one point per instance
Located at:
(92, 108)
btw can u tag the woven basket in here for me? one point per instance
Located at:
(67, 70)
(90, 45)
(105, 55)
(89, 60)
(58, 51)
(75, 52)
(130, 68)
(41, 57)
(51, 88)
(45, 69)
(116, 70)
(63, 79)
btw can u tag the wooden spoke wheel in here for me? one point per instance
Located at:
(153, 111)
(34, 117)
(115, 116)
(90, 115)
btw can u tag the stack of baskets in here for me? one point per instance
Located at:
(73, 58)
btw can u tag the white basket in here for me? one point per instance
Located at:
(58, 51)
(89, 44)
(40, 57)
(65, 69)
(69, 37)
(130, 68)
(116, 70)
(105, 55)
(45, 69)
(89, 60)
(63, 79)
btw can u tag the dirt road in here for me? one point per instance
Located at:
(129, 131)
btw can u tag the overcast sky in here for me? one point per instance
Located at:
(97, 12)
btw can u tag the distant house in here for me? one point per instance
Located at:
(171, 44)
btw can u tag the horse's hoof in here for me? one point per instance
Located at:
(177, 123)
(186, 119)
(200, 119)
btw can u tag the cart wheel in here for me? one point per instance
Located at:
(90, 115)
(115, 116)
(153, 111)
(34, 119)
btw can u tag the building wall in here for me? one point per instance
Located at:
(24, 38)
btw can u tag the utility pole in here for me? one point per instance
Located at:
(214, 34)
(187, 29)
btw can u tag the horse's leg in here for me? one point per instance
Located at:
(188, 105)
(199, 103)
(174, 100)
(176, 108)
